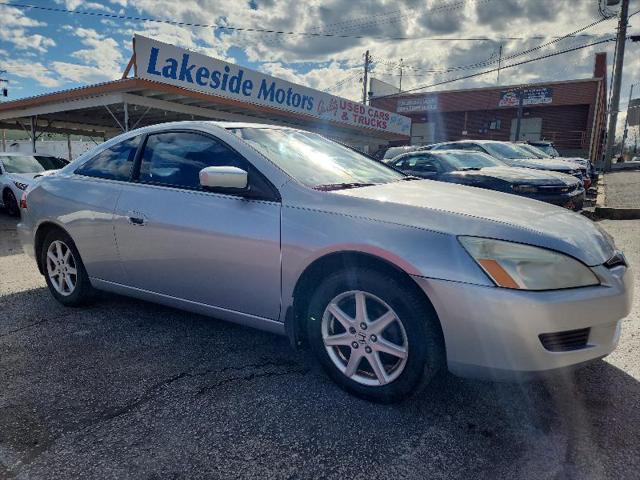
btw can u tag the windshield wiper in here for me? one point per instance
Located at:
(408, 178)
(341, 186)
(464, 169)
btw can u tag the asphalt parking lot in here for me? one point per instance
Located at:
(127, 389)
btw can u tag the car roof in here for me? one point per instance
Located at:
(478, 141)
(228, 125)
(439, 152)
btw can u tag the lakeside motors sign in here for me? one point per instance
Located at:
(530, 96)
(161, 62)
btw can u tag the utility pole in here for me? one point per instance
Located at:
(400, 88)
(617, 82)
(499, 63)
(365, 86)
(519, 118)
(626, 121)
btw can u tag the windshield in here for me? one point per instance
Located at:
(549, 149)
(314, 160)
(534, 150)
(507, 150)
(31, 163)
(469, 160)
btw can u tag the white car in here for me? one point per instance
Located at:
(17, 173)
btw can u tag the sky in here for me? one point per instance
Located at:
(44, 51)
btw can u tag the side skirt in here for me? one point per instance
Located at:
(233, 316)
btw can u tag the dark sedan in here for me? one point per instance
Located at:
(481, 170)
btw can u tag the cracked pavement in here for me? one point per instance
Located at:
(128, 389)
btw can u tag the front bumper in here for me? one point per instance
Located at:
(493, 332)
(572, 200)
(25, 236)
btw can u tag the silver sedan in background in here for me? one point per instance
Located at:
(386, 278)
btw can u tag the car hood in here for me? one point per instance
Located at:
(579, 160)
(463, 210)
(542, 164)
(29, 177)
(520, 175)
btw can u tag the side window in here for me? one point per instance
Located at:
(400, 163)
(474, 147)
(446, 146)
(176, 158)
(426, 163)
(114, 163)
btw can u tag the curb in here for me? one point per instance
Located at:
(611, 213)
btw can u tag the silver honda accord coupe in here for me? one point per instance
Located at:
(386, 278)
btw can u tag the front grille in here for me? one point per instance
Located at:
(565, 341)
(551, 189)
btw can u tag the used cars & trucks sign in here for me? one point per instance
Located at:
(166, 63)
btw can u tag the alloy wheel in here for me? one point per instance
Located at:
(364, 338)
(61, 268)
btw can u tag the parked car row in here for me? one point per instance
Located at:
(545, 178)
(387, 278)
(482, 170)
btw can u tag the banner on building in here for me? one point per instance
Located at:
(161, 62)
(530, 96)
(418, 104)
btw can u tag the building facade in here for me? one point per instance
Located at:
(571, 113)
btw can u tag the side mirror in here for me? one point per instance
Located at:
(223, 177)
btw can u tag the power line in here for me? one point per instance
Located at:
(249, 29)
(485, 72)
(476, 65)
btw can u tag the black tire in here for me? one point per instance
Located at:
(83, 292)
(10, 203)
(425, 353)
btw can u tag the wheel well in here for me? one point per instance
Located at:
(329, 264)
(43, 230)
(5, 191)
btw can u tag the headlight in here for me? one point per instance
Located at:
(21, 186)
(524, 188)
(523, 267)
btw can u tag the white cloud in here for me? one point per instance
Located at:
(75, 4)
(102, 59)
(15, 28)
(31, 70)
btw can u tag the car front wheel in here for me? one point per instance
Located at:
(376, 336)
(64, 271)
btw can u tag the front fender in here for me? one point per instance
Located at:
(308, 235)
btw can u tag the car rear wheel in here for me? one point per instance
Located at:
(10, 203)
(375, 336)
(64, 271)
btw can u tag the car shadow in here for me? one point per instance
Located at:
(78, 384)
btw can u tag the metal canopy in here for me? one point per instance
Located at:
(107, 109)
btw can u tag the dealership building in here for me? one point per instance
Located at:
(569, 113)
(164, 83)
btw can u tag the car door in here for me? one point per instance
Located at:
(177, 239)
(92, 192)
